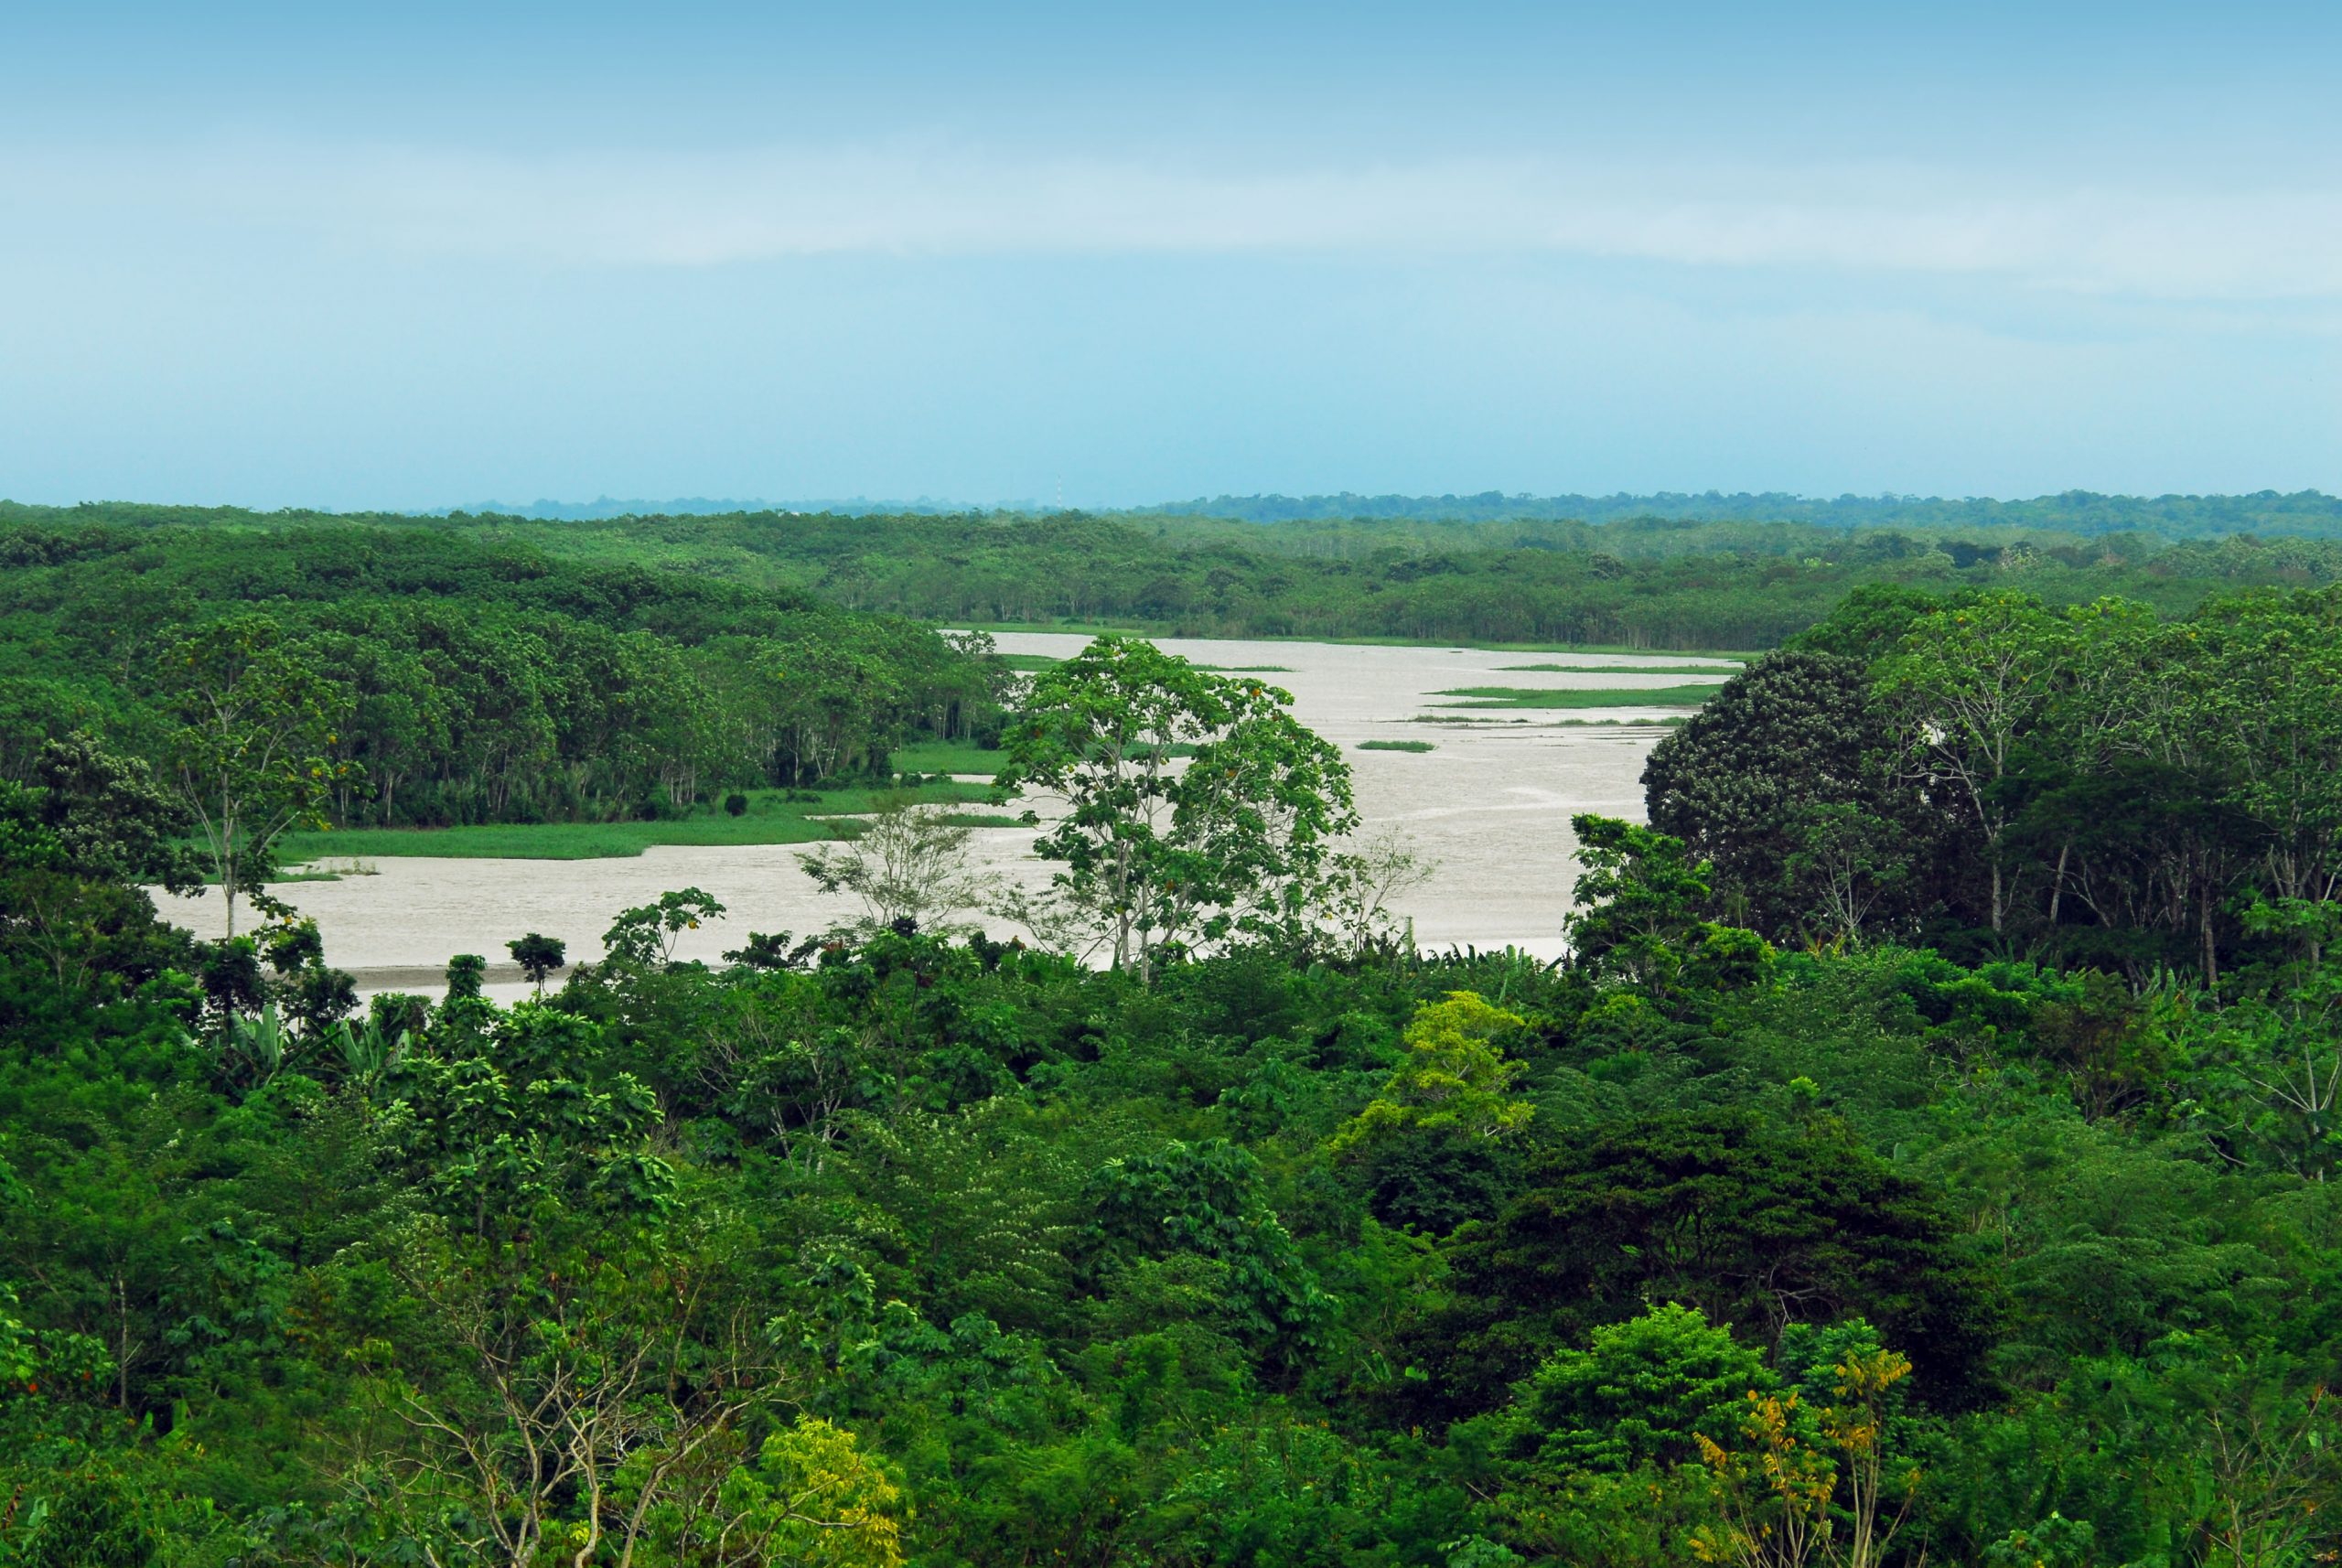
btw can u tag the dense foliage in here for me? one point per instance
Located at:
(432, 677)
(2088, 784)
(894, 1248)
(1709, 580)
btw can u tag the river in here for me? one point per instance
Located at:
(1488, 807)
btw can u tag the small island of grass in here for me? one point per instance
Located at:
(1720, 672)
(1581, 697)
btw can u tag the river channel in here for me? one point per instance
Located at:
(1488, 807)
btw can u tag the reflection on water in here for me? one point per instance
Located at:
(1490, 806)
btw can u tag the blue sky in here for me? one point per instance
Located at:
(422, 255)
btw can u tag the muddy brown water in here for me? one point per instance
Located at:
(1489, 807)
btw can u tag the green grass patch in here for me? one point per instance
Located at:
(944, 756)
(1065, 628)
(981, 819)
(1617, 670)
(1084, 628)
(1396, 746)
(1031, 663)
(1607, 697)
(769, 820)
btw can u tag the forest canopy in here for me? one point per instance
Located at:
(1923, 1155)
(461, 679)
(1686, 582)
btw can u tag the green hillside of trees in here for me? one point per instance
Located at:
(1925, 1156)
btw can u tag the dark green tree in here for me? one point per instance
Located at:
(1756, 1225)
(539, 957)
(1751, 781)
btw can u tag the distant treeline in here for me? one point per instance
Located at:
(2307, 512)
(477, 679)
(2077, 512)
(1648, 582)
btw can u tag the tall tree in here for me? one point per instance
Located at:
(1156, 851)
(1970, 685)
(1746, 784)
(255, 723)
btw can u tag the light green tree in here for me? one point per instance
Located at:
(1195, 805)
(813, 1497)
(1970, 685)
(255, 724)
(1454, 1080)
(908, 862)
(2264, 703)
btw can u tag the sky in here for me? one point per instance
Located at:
(424, 255)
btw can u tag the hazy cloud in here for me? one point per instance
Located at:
(681, 208)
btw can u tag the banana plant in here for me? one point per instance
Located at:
(261, 1042)
(367, 1053)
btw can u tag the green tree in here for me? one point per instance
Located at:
(1794, 740)
(1801, 1483)
(1847, 862)
(75, 845)
(1640, 917)
(812, 1496)
(1206, 1199)
(1641, 1392)
(1749, 1222)
(537, 956)
(645, 937)
(253, 723)
(1155, 852)
(906, 862)
(1969, 686)
(1454, 1078)
(100, 817)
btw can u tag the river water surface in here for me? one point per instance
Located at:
(1489, 808)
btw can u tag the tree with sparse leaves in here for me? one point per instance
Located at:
(255, 724)
(908, 861)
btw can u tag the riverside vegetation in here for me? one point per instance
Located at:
(1925, 1156)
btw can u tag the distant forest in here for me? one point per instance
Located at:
(2311, 513)
(1925, 1154)
(1656, 582)
(467, 679)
